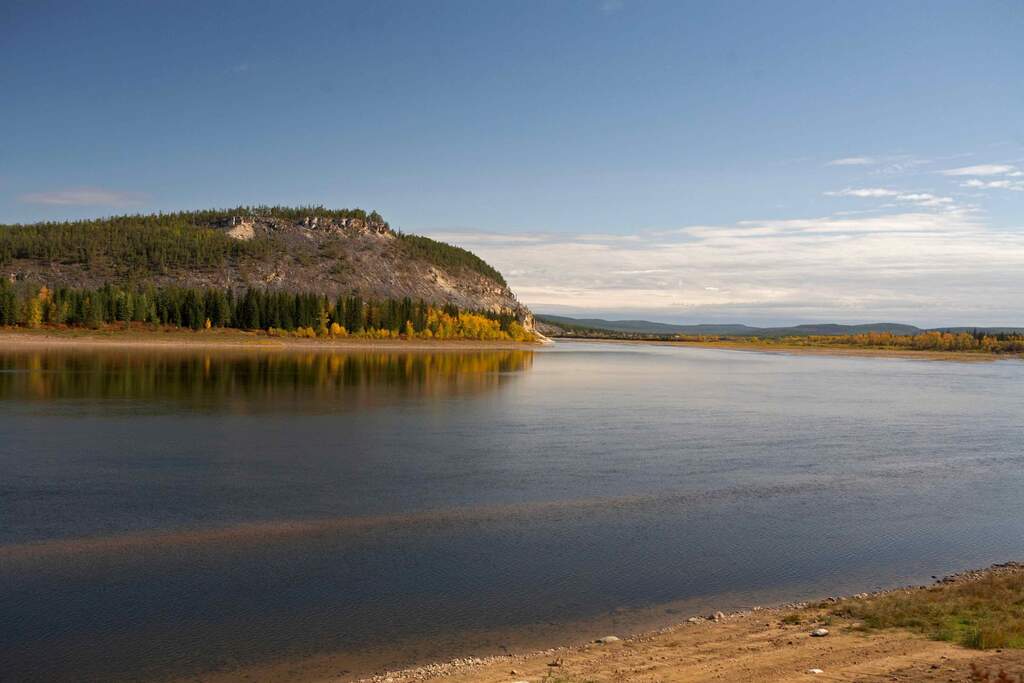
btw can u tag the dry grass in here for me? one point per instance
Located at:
(983, 675)
(983, 614)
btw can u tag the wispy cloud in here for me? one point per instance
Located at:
(974, 183)
(981, 170)
(84, 196)
(1008, 181)
(919, 198)
(925, 199)
(853, 161)
(891, 164)
(863, 192)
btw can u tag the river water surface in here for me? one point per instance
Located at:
(282, 515)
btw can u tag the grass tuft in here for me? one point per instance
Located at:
(983, 614)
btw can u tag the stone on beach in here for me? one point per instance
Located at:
(819, 632)
(608, 639)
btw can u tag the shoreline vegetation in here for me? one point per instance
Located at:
(844, 345)
(177, 339)
(157, 336)
(275, 313)
(964, 627)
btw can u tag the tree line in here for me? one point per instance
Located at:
(138, 244)
(931, 340)
(277, 312)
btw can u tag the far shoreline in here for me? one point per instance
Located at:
(795, 349)
(177, 339)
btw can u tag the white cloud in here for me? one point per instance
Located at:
(925, 199)
(887, 165)
(929, 265)
(974, 183)
(84, 196)
(981, 170)
(852, 161)
(919, 198)
(863, 192)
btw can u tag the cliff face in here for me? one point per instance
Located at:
(316, 252)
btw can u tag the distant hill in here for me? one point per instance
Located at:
(333, 252)
(556, 325)
(641, 326)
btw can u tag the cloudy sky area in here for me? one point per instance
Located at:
(694, 162)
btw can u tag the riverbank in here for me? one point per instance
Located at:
(780, 643)
(178, 339)
(798, 349)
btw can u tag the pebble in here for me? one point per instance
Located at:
(815, 671)
(819, 632)
(608, 639)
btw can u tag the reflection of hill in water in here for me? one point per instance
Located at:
(254, 380)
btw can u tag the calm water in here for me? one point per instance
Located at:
(166, 514)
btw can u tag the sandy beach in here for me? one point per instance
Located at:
(760, 644)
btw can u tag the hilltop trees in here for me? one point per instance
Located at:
(140, 246)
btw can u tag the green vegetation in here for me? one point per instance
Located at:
(447, 256)
(278, 312)
(932, 340)
(139, 246)
(985, 613)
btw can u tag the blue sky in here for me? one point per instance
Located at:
(759, 162)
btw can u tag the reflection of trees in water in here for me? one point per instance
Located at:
(204, 378)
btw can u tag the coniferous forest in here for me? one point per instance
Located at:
(144, 245)
(277, 312)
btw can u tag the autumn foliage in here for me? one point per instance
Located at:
(279, 313)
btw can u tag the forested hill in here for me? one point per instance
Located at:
(330, 252)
